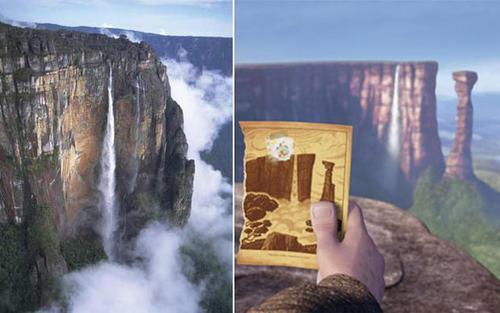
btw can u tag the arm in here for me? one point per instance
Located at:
(336, 293)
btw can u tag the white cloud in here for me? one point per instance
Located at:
(107, 32)
(131, 35)
(487, 70)
(155, 285)
(206, 100)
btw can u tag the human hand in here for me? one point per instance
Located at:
(356, 256)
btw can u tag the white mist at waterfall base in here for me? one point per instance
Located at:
(107, 180)
(155, 282)
(394, 141)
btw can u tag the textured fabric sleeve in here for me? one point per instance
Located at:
(335, 294)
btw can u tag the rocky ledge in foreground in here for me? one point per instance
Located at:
(423, 273)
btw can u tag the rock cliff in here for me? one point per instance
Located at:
(362, 94)
(423, 273)
(204, 53)
(53, 104)
(459, 161)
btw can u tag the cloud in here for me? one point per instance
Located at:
(155, 282)
(11, 22)
(131, 35)
(107, 32)
(487, 70)
(155, 285)
(206, 99)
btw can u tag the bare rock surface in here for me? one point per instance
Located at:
(54, 99)
(459, 162)
(423, 273)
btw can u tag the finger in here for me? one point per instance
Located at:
(352, 205)
(355, 222)
(324, 223)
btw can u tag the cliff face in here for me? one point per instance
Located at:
(459, 162)
(54, 99)
(204, 53)
(359, 94)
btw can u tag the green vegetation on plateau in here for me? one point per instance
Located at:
(455, 210)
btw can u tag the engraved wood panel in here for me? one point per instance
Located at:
(270, 176)
(328, 186)
(305, 164)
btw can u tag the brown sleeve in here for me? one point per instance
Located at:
(336, 294)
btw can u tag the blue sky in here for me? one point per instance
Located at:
(458, 34)
(169, 17)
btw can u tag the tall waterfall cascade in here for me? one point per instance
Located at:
(107, 179)
(394, 141)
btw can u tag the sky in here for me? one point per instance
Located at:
(167, 17)
(458, 34)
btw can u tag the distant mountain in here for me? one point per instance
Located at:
(211, 53)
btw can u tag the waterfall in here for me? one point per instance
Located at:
(138, 88)
(107, 181)
(394, 126)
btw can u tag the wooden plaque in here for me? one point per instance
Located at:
(289, 165)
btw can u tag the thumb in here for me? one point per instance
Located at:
(324, 223)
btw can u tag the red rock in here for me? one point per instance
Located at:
(459, 162)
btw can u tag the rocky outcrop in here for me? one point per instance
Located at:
(53, 112)
(53, 104)
(423, 273)
(358, 94)
(459, 162)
